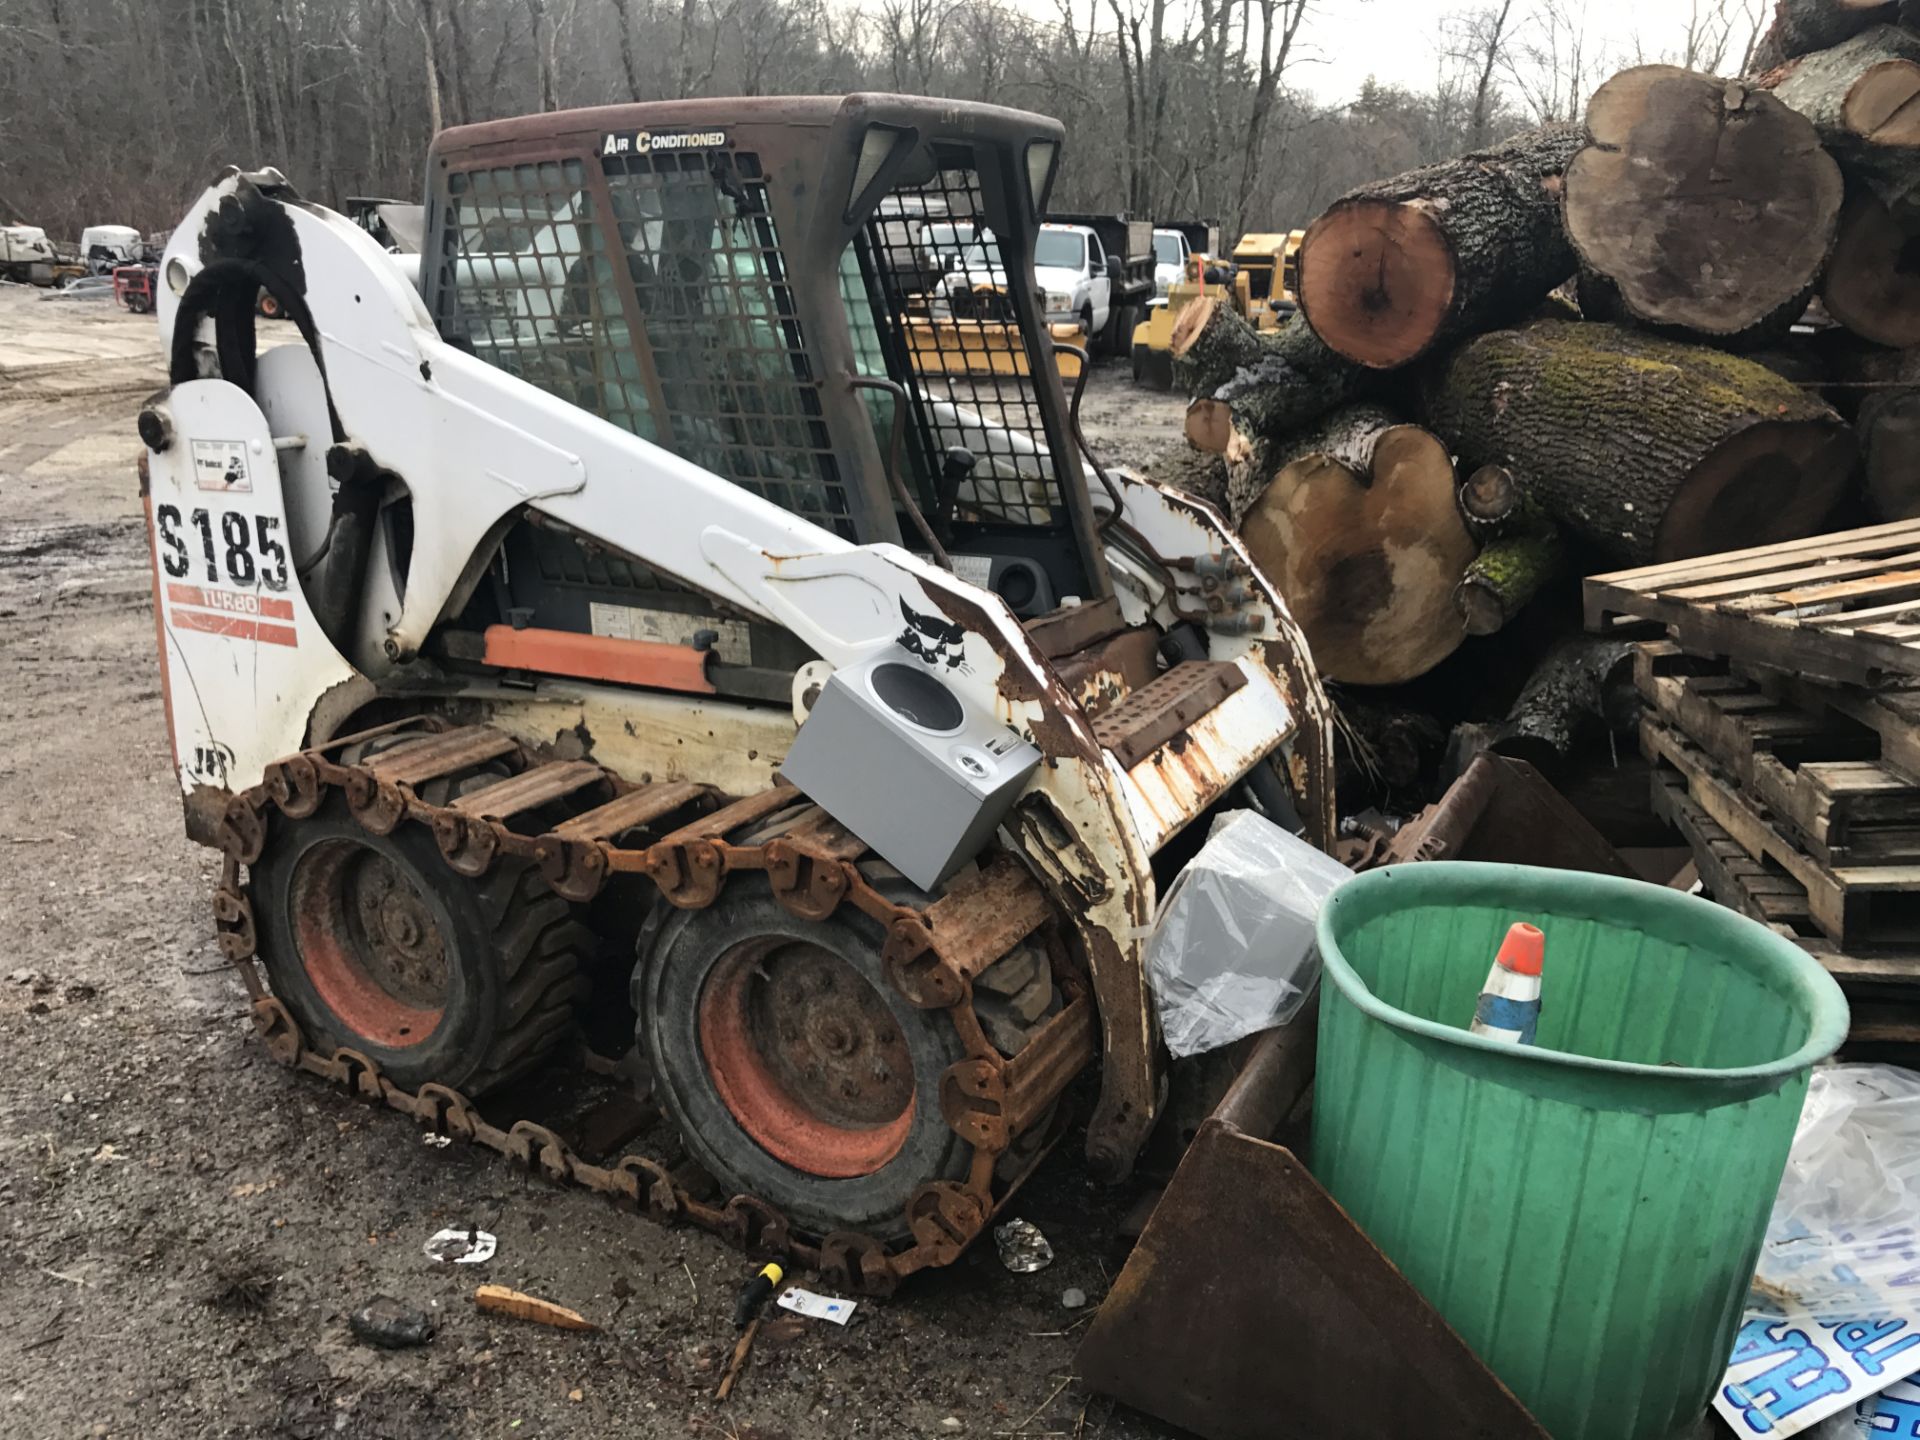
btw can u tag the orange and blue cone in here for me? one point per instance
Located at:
(1509, 1006)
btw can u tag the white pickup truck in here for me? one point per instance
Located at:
(1070, 267)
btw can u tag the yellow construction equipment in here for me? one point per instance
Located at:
(1248, 286)
(1261, 258)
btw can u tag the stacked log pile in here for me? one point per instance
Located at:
(1436, 446)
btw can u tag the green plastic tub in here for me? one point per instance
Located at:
(1585, 1212)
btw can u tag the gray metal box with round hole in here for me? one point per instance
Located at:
(896, 757)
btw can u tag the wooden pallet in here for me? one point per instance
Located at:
(1851, 904)
(1882, 989)
(1843, 607)
(1892, 714)
(1818, 775)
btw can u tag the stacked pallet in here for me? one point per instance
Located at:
(1783, 722)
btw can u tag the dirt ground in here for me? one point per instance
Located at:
(188, 1226)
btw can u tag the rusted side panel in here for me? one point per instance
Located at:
(1179, 779)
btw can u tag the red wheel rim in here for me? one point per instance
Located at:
(369, 943)
(807, 1057)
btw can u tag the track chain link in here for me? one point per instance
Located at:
(812, 874)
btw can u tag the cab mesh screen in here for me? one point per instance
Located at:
(541, 285)
(939, 294)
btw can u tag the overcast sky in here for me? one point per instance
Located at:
(1344, 41)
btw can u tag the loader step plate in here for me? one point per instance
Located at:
(1003, 1107)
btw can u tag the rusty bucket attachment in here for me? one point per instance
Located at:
(1252, 1308)
(1501, 810)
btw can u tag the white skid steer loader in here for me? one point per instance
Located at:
(620, 595)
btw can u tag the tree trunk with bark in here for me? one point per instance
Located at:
(1288, 376)
(1800, 26)
(1872, 284)
(1708, 205)
(1507, 573)
(1888, 425)
(1863, 99)
(1640, 448)
(1396, 267)
(1585, 683)
(1360, 530)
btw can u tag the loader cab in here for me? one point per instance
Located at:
(756, 285)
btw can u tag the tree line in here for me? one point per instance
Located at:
(120, 111)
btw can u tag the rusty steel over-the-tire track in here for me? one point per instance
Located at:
(931, 957)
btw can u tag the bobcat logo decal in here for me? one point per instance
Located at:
(933, 640)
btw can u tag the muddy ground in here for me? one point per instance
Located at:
(187, 1226)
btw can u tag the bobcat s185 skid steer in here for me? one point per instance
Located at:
(606, 594)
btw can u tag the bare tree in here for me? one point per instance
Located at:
(1479, 39)
(1279, 21)
(1556, 63)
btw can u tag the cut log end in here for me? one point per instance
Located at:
(1480, 607)
(1489, 494)
(1189, 324)
(1773, 481)
(1883, 107)
(1376, 280)
(1872, 284)
(1210, 426)
(1718, 260)
(1368, 563)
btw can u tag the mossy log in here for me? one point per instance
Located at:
(1279, 380)
(1640, 448)
(1394, 268)
(1800, 26)
(1507, 573)
(1718, 259)
(1360, 530)
(1872, 284)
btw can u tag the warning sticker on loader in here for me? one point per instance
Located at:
(221, 465)
(732, 644)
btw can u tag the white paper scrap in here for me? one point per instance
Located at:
(462, 1247)
(817, 1307)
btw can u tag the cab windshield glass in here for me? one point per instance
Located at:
(1061, 249)
(1166, 249)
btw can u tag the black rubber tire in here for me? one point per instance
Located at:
(676, 958)
(514, 956)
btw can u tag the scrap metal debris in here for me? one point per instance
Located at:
(1023, 1249)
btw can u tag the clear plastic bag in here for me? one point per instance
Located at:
(1844, 1240)
(1232, 950)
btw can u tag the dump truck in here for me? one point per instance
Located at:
(616, 635)
(1117, 261)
